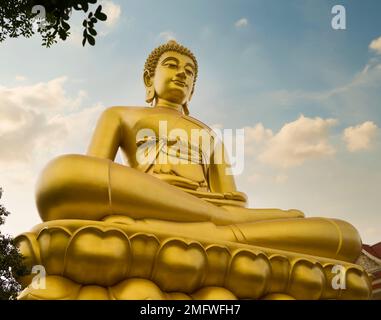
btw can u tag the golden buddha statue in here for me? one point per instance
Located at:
(174, 230)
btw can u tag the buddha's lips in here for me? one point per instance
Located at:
(180, 83)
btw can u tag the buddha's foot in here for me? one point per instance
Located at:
(100, 260)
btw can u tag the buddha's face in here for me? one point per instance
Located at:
(174, 77)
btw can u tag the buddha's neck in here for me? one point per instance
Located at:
(162, 103)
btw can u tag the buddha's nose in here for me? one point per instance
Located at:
(181, 74)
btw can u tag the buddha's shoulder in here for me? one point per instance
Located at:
(128, 115)
(125, 114)
(198, 122)
(125, 110)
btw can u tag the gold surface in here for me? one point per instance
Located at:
(174, 230)
(138, 261)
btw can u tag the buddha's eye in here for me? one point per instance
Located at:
(171, 65)
(189, 72)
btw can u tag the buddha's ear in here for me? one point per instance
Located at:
(147, 78)
(186, 109)
(185, 105)
(191, 95)
(150, 91)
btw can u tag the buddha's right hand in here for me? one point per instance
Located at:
(239, 215)
(227, 217)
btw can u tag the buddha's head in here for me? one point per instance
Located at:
(170, 74)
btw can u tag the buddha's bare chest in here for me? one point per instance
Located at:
(161, 137)
(167, 125)
(162, 125)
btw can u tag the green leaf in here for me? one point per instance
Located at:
(65, 25)
(67, 13)
(100, 16)
(99, 9)
(93, 31)
(91, 39)
(63, 35)
(85, 6)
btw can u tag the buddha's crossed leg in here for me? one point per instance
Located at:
(88, 188)
(83, 187)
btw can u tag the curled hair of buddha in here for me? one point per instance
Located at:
(171, 45)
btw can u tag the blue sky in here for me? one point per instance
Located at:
(282, 61)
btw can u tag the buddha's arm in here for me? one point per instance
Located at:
(221, 180)
(107, 135)
(93, 187)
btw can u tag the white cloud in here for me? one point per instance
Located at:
(281, 178)
(243, 22)
(21, 138)
(254, 136)
(20, 78)
(375, 45)
(258, 133)
(32, 119)
(49, 95)
(37, 123)
(80, 126)
(113, 12)
(360, 137)
(24, 124)
(254, 178)
(351, 94)
(166, 36)
(297, 141)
